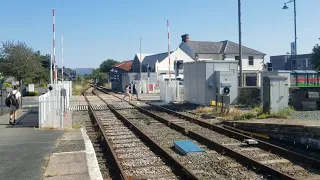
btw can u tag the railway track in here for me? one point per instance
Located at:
(189, 110)
(133, 155)
(209, 165)
(275, 161)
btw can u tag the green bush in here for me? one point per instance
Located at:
(43, 84)
(32, 93)
(6, 84)
(249, 96)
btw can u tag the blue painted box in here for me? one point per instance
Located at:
(187, 147)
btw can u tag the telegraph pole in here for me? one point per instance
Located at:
(240, 43)
(140, 66)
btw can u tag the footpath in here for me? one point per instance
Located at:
(29, 153)
(23, 146)
(73, 158)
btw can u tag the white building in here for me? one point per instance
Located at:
(252, 60)
(159, 63)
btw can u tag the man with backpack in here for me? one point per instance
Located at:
(13, 101)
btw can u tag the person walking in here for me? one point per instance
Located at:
(135, 90)
(13, 101)
(127, 93)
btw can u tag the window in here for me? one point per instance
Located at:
(308, 62)
(293, 63)
(304, 63)
(237, 58)
(250, 60)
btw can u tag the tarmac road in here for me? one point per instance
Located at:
(23, 150)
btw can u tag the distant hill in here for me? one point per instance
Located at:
(83, 71)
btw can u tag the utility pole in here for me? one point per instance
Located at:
(140, 66)
(62, 58)
(240, 43)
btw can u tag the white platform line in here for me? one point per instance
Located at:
(93, 166)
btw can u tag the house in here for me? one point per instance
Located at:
(115, 75)
(159, 63)
(252, 60)
(136, 63)
(288, 62)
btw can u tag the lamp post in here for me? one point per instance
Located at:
(295, 25)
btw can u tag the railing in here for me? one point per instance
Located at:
(54, 104)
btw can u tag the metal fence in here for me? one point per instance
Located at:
(3, 108)
(171, 91)
(54, 104)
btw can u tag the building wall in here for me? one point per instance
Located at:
(178, 54)
(258, 61)
(209, 57)
(286, 62)
(116, 78)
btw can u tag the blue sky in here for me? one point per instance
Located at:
(101, 29)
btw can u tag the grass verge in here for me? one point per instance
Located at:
(238, 114)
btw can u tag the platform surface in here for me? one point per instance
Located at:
(23, 148)
(73, 158)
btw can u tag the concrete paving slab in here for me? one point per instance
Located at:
(57, 158)
(73, 158)
(76, 164)
(69, 146)
(83, 176)
(72, 140)
(72, 135)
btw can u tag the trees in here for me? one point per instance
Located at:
(315, 57)
(107, 65)
(18, 60)
(79, 78)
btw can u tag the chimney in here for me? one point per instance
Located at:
(185, 38)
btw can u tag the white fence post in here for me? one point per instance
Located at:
(53, 106)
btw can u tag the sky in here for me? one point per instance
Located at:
(96, 30)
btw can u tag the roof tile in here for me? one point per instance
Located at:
(125, 65)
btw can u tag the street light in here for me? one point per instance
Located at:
(295, 25)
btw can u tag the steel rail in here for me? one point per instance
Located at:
(236, 135)
(181, 169)
(253, 164)
(98, 124)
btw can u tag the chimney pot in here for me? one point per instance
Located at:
(185, 38)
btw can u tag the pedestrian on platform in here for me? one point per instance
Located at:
(13, 101)
(135, 90)
(127, 93)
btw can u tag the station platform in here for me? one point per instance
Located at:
(29, 153)
(73, 158)
(23, 147)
